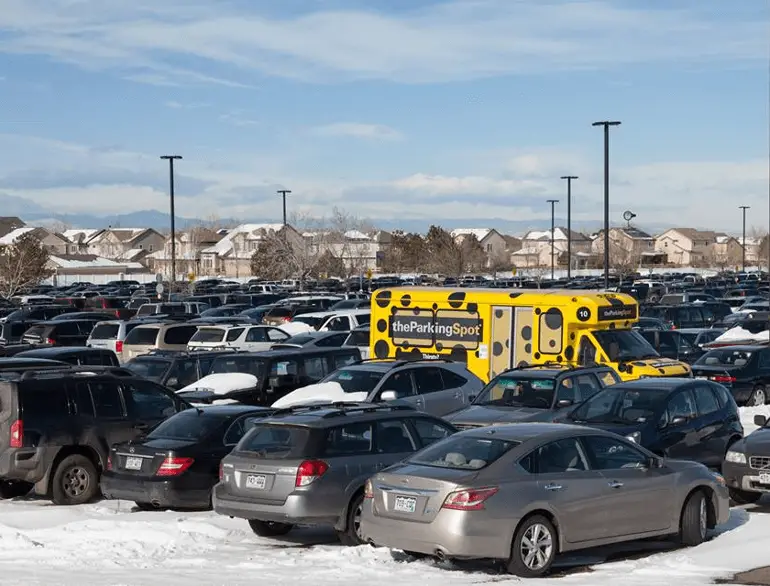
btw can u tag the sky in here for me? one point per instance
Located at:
(461, 111)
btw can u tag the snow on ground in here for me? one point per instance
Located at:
(747, 419)
(109, 543)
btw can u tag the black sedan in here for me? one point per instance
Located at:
(177, 464)
(743, 370)
(747, 465)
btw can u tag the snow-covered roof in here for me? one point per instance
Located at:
(14, 235)
(78, 236)
(479, 233)
(527, 251)
(132, 254)
(84, 261)
(252, 232)
(356, 235)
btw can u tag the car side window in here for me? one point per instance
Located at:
(606, 453)
(332, 341)
(339, 324)
(315, 367)
(566, 390)
(393, 437)
(81, 398)
(452, 380)
(341, 360)
(233, 334)
(146, 401)
(764, 359)
(609, 378)
(400, 382)
(256, 335)
(276, 335)
(44, 400)
(349, 440)
(561, 456)
(430, 431)
(428, 380)
(238, 429)
(183, 373)
(706, 400)
(667, 342)
(723, 395)
(108, 402)
(91, 359)
(682, 404)
(587, 386)
(180, 335)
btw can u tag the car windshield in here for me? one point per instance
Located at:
(621, 406)
(105, 332)
(358, 338)
(355, 380)
(244, 364)
(725, 357)
(517, 391)
(470, 453)
(153, 368)
(191, 424)
(624, 345)
(208, 335)
(300, 340)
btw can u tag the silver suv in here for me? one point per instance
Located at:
(308, 464)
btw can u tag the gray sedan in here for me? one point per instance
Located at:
(525, 492)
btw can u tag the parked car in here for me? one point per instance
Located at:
(693, 315)
(242, 337)
(534, 393)
(747, 465)
(524, 493)
(335, 321)
(673, 417)
(651, 323)
(308, 465)
(59, 333)
(83, 315)
(32, 313)
(12, 363)
(11, 332)
(701, 336)
(359, 338)
(110, 335)
(313, 340)
(672, 344)
(76, 356)
(174, 370)
(177, 464)
(743, 370)
(436, 387)
(157, 336)
(57, 425)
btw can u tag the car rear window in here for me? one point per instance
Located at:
(364, 318)
(191, 424)
(280, 312)
(245, 364)
(151, 369)
(105, 332)
(35, 331)
(725, 357)
(464, 452)
(208, 335)
(179, 335)
(142, 337)
(275, 442)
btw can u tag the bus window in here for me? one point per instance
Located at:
(587, 353)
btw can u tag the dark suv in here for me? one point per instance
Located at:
(691, 315)
(63, 332)
(673, 344)
(57, 426)
(534, 393)
(308, 464)
(174, 370)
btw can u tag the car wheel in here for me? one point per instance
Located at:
(693, 525)
(534, 548)
(744, 497)
(352, 534)
(269, 528)
(75, 481)
(757, 398)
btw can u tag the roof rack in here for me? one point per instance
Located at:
(343, 407)
(72, 369)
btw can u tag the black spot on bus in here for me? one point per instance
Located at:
(527, 348)
(393, 310)
(497, 349)
(514, 295)
(559, 358)
(435, 306)
(552, 343)
(537, 356)
(476, 353)
(406, 300)
(459, 354)
(381, 349)
(612, 326)
(416, 311)
(569, 352)
(572, 336)
(439, 346)
(627, 324)
(456, 299)
(614, 301)
(554, 318)
(526, 333)
(538, 311)
(522, 364)
(382, 325)
(383, 298)
(498, 313)
(508, 343)
(473, 308)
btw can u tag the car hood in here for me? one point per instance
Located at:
(756, 443)
(492, 414)
(330, 392)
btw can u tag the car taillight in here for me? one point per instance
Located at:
(368, 490)
(309, 471)
(109, 462)
(50, 341)
(286, 319)
(471, 499)
(221, 471)
(17, 433)
(119, 346)
(723, 378)
(174, 466)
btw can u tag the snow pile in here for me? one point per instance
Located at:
(747, 417)
(739, 334)
(296, 327)
(319, 393)
(222, 383)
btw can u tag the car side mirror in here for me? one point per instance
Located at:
(172, 382)
(760, 420)
(389, 396)
(679, 420)
(565, 403)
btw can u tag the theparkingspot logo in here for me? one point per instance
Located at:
(443, 326)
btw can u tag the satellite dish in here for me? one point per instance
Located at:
(628, 215)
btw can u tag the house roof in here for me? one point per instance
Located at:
(133, 255)
(479, 233)
(14, 235)
(128, 234)
(559, 233)
(77, 261)
(251, 231)
(9, 223)
(356, 235)
(693, 234)
(80, 236)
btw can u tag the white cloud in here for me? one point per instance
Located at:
(356, 130)
(457, 40)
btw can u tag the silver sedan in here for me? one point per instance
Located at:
(524, 493)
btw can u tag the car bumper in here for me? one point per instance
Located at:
(27, 464)
(165, 493)
(742, 477)
(451, 534)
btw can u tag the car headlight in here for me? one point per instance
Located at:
(735, 457)
(634, 437)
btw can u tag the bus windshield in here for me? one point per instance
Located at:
(624, 345)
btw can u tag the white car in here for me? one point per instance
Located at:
(245, 338)
(335, 321)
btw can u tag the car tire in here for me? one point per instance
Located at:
(269, 528)
(352, 534)
(534, 548)
(758, 397)
(75, 481)
(10, 489)
(693, 525)
(744, 497)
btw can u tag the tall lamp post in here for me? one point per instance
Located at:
(606, 124)
(743, 241)
(283, 193)
(569, 179)
(553, 203)
(171, 159)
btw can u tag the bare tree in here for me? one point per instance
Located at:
(350, 238)
(275, 258)
(23, 264)
(405, 254)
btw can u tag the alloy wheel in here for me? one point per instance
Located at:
(536, 547)
(76, 481)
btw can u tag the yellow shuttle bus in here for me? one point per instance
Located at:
(492, 330)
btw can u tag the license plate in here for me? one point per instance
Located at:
(764, 478)
(405, 504)
(133, 463)
(256, 481)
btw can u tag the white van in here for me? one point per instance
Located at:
(244, 338)
(344, 320)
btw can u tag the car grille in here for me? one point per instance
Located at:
(759, 462)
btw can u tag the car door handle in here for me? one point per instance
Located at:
(615, 484)
(553, 487)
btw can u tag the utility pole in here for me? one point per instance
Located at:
(283, 193)
(743, 242)
(606, 124)
(553, 203)
(569, 179)
(171, 159)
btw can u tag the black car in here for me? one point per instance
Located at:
(11, 332)
(692, 315)
(533, 393)
(21, 364)
(673, 344)
(701, 336)
(651, 323)
(57, 426)
(677, 418)
(313, 340)
(177, 464)
(747, 465)
(30, 313)
(744, 370)
(225, 310)
(63, 332)
(77, 356)
(174, 370)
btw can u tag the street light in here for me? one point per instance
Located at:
(606, 124)
(283, 193)
(569, 179)
(553, 203)
(743, 243)
(171, 159)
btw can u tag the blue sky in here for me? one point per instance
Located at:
(462, 111)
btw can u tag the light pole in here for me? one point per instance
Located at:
(171, 159)
(553, 203)
(743, 242)
(606, 124)
(283, 193)
(569, 179)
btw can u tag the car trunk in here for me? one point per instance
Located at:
(37, 335)
(144, 459)
(104, 336)
(207, 339)
(725, 375)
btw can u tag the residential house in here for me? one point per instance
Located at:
(231, 256)
(493, 243)
(189, 247)
(10, 223)
(630, 248)
(535, 249)
(754, 251)
(80, 239)
(122, 242)
(70, 268)
(359, 251)
(727, 252)
(54, 243)
(686, 247)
